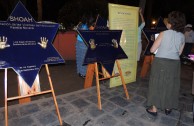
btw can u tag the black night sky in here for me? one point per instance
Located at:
(69, 11)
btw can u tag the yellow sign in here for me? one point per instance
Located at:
(122, 17)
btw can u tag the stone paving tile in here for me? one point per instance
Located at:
(71, 97)
(136, 122)
(183, 124)
(28, 109)
(121, 124)
(45, 118)
(106, 95)
(77, 119)
(131, 89)
(135, 110)
(58, 124)
(24, 121)
(93, 112)
(94, 99)
(80, 103)
(2, 123)
(46, 104)
(66, 110)
(107, 120)
(2, 116)
(168, 121)
(120, 89)
(133, 84)
(119, 101)
(120, 114)
(138, 99)
(109, 106)
(187, 118)
(149, 118)
(93, 91)
(174, 114)
(12, 112)
(84, 94)
(115, 93)
(60, 101)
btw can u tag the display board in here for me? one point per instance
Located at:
(103, 47)
(26, 45)
(122, 17)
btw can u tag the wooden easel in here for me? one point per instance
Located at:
(23, 100)
(146, 65)
(89, 77)
(22, 97)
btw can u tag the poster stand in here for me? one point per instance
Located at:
(34, 94)
(146, 65)
(89, 77)
(23, 100)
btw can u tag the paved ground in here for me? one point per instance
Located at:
(79, 107)
(64, 78)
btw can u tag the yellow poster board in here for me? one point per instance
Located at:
(122, 17)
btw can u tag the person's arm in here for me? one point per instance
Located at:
(141, 15)
(156, 43)
(181, 49)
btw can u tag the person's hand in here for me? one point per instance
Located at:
(3, 41)
(43, 42)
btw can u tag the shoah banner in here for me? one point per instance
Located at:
(26, 45)
(122, 17)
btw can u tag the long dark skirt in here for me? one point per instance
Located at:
(164, 83)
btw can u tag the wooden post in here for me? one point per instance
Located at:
(146, 65)
(29, 95)
(53, 93)
(23, 100)
(94, 68)
(89, 75)
(98, 86)
(105, 73)
(5, 86)
(122, 79)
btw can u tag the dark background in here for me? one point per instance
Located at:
(69, 12)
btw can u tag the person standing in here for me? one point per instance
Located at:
(81, 48)
(164, 82)
(189, 40)
(141, 26)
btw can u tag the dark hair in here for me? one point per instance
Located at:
(84, 19)
(177, 21)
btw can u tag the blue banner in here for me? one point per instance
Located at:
(103, 47)
(26, 45)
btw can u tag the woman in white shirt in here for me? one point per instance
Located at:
(164, 83)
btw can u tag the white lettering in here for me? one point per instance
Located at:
(21, 19)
